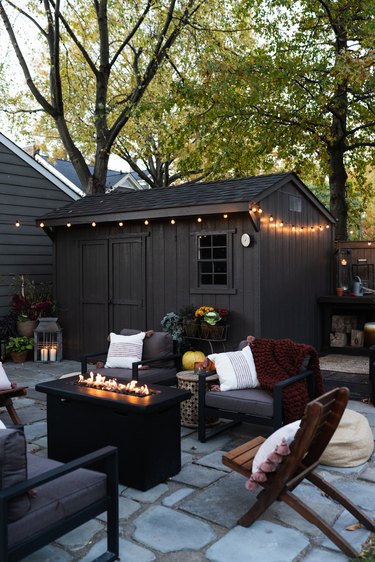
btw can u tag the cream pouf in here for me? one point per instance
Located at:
(352, 443)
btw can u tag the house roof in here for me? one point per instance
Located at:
(115, 179)
(59, 182)
(233, 195)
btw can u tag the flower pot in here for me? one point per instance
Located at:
(212, 332)
(26, 328)
(19, 356)
(191, 330)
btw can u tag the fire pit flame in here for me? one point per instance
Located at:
(101, 383)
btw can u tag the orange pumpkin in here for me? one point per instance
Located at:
(191, 357)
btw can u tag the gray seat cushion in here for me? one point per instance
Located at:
(56, 499)
(247, 401)
(13, 469)
(146, 376)
(160, 344)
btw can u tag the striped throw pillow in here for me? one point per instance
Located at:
(124, 350)
(235, 369)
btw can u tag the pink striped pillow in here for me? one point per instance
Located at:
(124, 350)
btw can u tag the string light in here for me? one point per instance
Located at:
(271, 218)
(173, 221)
(18, 224)
(281, 224)
(41, 225)
(199, 219)
(121, 223)
(225, 216)
(146, 222)
(68, 224)
(93, 223)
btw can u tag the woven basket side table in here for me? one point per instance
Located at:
(188, 380)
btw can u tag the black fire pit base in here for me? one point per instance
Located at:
(146, 433)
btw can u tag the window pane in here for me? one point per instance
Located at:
(219, 240)
(205, 254)
(206, 279)
(219, 253)
(206, 267)
(205, 241)
(220, 279)
(220, 267)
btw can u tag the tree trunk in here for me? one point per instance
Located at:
(337, 186)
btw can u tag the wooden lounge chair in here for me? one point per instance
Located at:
(6, 400)
(318, 424)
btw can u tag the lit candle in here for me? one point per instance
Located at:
(52, 354)
(44, 354)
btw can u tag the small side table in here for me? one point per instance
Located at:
(188, 380)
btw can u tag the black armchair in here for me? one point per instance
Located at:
(64, 497)
(159, 356)
(250, 405)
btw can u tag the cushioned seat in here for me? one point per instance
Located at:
(166, 376)
(57, 499)
(254, 401)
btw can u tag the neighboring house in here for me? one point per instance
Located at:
(134, 257)
(27, 190)
(115, 180)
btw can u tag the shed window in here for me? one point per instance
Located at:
(295, 203)
(212, 259)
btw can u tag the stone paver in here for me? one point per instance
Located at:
(223, 503)
(198, 476)
(167, 530)
(262, 541)
(193, 516)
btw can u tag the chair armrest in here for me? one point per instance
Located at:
(108, 454)
(136, 364)
(279, 387)
(86, 356)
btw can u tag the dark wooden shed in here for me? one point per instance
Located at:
(27, 189)
(260, 246)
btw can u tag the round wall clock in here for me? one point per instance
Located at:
(245, 240)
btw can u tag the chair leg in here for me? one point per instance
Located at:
(264, 500)
(12, 412)
(310, 515)
(336, 495)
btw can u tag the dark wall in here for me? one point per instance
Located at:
(296, 269)
(24, 195)
(276, 281)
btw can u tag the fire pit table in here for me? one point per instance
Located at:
(146, 429)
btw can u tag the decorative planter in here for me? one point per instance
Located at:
(26, 328)
(19, 356)
(212, 332)
(191, 330)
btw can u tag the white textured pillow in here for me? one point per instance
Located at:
(270, 454)
(235, 369)
(124, 350)
(286, 433)
(4, 381)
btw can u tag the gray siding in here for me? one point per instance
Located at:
(25, 195)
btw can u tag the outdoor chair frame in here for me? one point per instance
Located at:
(318, 425)
(107, 456)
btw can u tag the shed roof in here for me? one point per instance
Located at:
(232, 195)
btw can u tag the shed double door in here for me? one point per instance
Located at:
(112, 289)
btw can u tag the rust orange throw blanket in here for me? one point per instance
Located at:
(277, 360)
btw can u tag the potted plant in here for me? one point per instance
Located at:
(19, 348)
(29, 302)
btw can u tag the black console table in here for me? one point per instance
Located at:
(361, 307)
